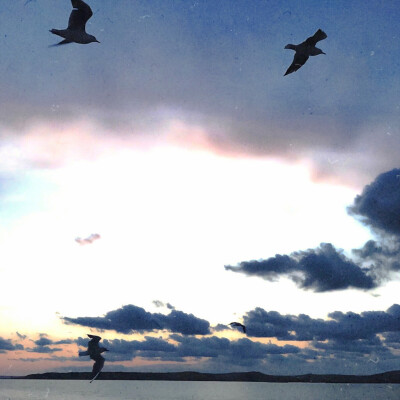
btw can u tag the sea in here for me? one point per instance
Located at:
(11, 389)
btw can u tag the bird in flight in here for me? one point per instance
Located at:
(88, 240)
(76, 25)
(238, 324)
(94, 352)
(305, 50)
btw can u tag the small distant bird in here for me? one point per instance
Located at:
(305, 50)
(94, 352)
(76, 25)
(88, 240)
(238, 324)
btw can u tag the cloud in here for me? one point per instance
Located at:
(340, 327)
(8, 345)
(43, 349)
(88, 240)
(160, 304)
(326, 268)
(222, 61)
(322, 269)
(131, 318)
(378, 206)
(344, 343)
(43, 343)
(181, 348)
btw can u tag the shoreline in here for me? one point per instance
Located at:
(386, 377)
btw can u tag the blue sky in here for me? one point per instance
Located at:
(221, 189)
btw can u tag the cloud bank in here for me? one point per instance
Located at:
(340, 327)
(131, 318)
(351, 342)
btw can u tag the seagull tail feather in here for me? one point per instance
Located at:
(83, 353)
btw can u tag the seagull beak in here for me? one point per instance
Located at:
(97, 41)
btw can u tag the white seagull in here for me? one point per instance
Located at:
(305, 50)
(94, 352)
(76, 25)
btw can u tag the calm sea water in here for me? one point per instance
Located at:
(155, 390)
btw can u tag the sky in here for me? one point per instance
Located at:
(169, 180)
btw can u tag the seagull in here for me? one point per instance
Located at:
(305, 50)
(88, 240)
(238, 324)
(94, 352)
(76, 25)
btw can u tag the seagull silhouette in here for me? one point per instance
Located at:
(238, 324)
(76, 25)
(305, 50)
(94, 352)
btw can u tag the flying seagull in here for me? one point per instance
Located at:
(305, 50)
(238, 324)
(88, 240)
(94, 352)
(76, 25)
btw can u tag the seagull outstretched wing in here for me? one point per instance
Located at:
(299, 60)
(95, 339)
(319, 35)
(238, 324)
(79, 15)
(98, 365)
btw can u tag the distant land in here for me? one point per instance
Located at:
(386, 377)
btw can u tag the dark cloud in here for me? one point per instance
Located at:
(43, 341)
(220, 327)
(8, 345)
(379, 204)
(344, 343)
(131, 318)
(43, 344)
(161, 304)
(381, 258)
(322, 269)
(340, 327)
(392, 339)
(43, 349)
(360, 346)
(181, 348)
(218, 73)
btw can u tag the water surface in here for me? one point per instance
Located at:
(157, 390)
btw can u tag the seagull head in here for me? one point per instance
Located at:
(92, 39)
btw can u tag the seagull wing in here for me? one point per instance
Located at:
(238, 324)
(299, 60)
(95, 339)
(98, 365)
(79, 15)
(319, 35)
